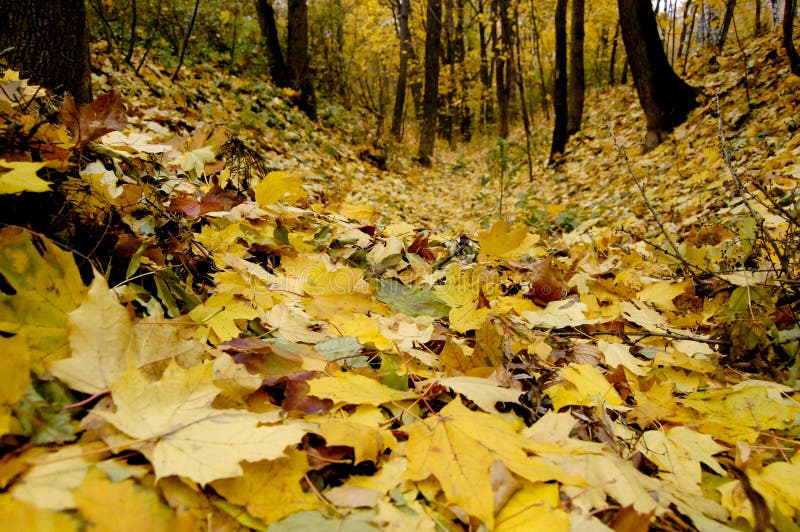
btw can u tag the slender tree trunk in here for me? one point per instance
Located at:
(730, 5)
(298, 61)
(430, 102)
(682, 38)
(689, 39)
(537, 43)
(403, 14)
(186, 40)
(612, 63)
(504, 67)
(789, 7)
(447, 100)
(576, 81)
(48, 42)
(526, 121)
(132, 41)
(757, 24)
(269, 32)
(560, 85)
(464, 114)
(665, 98)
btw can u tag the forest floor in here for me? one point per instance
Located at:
(292, 337)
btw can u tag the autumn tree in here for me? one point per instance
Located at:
(665, 98)
(789, 7)
(504, 66)
(402, 13)
(49, 43)
(430, 101)
(576, 84)
(295, 71)
(272, 43)
(559, 140)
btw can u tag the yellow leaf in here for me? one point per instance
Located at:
(620, 354)
(19, 515)
(22, 177)
(679, 454)
(99, 346)
(355, 389)
(191, 438)
(586, 387)
(778, 483)
(15, 363)
(271, 490)
(484, 392)
(280, 186)
(365, 328)
(122, 506)
(457, 446)
(49, 483)
(502, 241)
(536, 506)
(368, 443)
(220, 314)
(661, 293)
(195, 160)
(47, 285)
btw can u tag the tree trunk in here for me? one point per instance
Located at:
(730, 5)
(298, 63)
(504, 67)
(403, 14)
(269, 32)
(789, 7)
(48, 42)
(665, 98)
(430, 101)
(485, 75)
(464, 114)
(576, 81)
(612, 62)
(560, 85)
(685, 19)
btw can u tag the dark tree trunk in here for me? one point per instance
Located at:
(730, 5)
(403, 14)
(612, 62)
(537, 44)
(269, 32)
(576, 81)
(48, 42)
(447, 100)
(757, 25)
(560, 84)
(460, 52)
(682, 38)
(665, 98)
(298, 62)
(485, 74)
(430, 101)
(789, 7)
(504, 67)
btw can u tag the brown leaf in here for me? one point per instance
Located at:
(546, 282)
(88, 122)
(629, 520)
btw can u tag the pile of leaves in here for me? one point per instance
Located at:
(255, 356)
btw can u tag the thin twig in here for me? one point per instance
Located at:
(640, 186)
(743, 192)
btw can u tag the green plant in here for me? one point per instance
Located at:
(505, 169)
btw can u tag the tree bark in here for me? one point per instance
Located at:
(576, 81)
(730, 5)
(430, 101)
(269, 32)
(298, 62)
(665, 98)
(504, 68)
(48, 42)
(612, 62)
(789, 7)
(403, 14)
(560, 84)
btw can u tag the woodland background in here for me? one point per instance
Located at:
(260, 268)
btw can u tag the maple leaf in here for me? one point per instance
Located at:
(355, 389)
(190, 437)
(14, 374)
(457, 446)
(20, 515)
(271, 490)
(47, 287)
(121, 506)
(280, 186)
(99, 348)
(90, 121)
(22, 177)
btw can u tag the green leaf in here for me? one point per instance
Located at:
(410, 300)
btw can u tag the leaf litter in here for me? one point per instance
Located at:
(315, 344)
